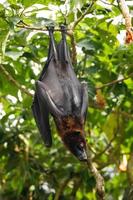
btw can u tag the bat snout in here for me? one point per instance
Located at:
(75, 142)
(81, 154)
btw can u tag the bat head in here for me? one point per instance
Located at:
(75, 142)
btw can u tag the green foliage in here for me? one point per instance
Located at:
(27, 169)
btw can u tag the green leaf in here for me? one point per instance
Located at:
(12, 1)
(30, 3)
(1, 8)
(3, 39)
(111, 125)
(14, 55)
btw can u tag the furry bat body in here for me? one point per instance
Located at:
(59, 93)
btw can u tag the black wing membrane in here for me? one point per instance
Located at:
(49, 87)
(41, 115)
(76, 93)
(40, 107)
(84, 105)
(69, 82)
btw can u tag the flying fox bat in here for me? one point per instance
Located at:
(59, 93)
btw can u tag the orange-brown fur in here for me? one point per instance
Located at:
(68, 125)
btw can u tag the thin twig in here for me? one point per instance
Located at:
(125, 114)
(114, 135)
(74, 52)
(71, 32)
(62, 187)
(114, 81)
(106, 148)
(12, 80)
(83, 15)
(76, 185)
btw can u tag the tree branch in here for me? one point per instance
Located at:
(62, 187)
(125, 13)
(76, 185)
(112, 140)
(127, 115)
(71, 32)
(25, 26)
(115, 81)
(100, 191)
(83, 15)
(128, 20)
(73, 44)
(12, 80)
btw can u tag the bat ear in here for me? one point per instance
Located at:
(63, 52)
(52, 46)
(44, 95)
(84, 105)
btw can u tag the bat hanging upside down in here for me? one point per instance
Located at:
(59, 92)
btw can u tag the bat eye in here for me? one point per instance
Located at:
(80, 146)
(77, 133)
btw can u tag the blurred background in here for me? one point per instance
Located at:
(30, 171)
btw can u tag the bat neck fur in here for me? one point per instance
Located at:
(69, 124)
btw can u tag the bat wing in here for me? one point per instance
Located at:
(44, 96)
(41, 115)
(78, 91)
(51, 53)
(40, 107)
(53, 85)
(70, 84)
(49, 96)
(84, 104)
(58, 91)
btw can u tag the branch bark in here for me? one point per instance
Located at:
(115, 81)
(13, 81)
(26, 26)
(73, 44)
(100, 191)
(128, 20)
(126, 14)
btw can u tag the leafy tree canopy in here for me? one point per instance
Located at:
(28, 170)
